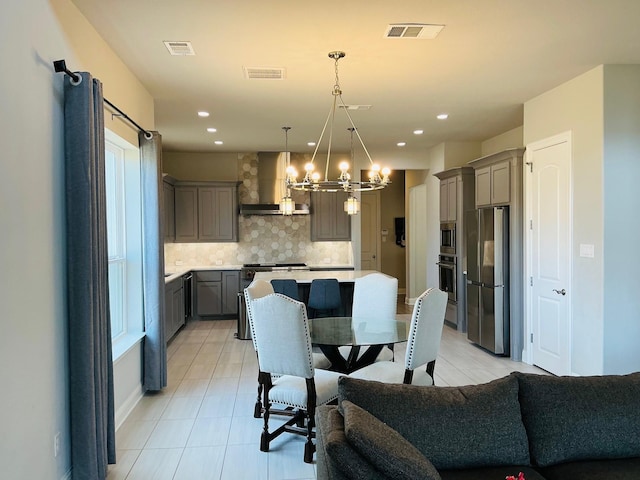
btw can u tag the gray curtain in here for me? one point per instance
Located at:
(155, 347)
(89, 326)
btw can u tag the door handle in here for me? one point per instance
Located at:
(560, 292)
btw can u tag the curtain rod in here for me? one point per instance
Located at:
(60, 66)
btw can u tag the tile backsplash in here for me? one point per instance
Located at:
(262, 239)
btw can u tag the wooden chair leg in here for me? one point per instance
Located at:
(264, 438)
(257, 409)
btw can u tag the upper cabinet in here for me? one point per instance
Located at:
(493, 185)
(329, 221)
(168, 197)
(206, 212)
(456, 190)
(498, 178)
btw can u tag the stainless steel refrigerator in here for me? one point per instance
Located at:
(487, 275)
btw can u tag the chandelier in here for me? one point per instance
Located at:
(313, 182)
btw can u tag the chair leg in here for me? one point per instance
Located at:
(257, 409)
(264, 438)
(309, 447)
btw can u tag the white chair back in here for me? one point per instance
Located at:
(257, 289)
(282, 336)
(425, 332)
(375, 295)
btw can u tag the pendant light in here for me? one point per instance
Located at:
(286, 204)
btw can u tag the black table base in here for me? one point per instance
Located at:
(352, 362)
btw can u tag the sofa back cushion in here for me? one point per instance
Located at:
(580, 418)
(454, 427)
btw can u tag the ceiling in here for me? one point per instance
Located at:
(490, 58)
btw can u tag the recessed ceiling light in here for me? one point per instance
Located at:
(311, 144)
(418, 132)
(218, 142)
(442, 116)
(203, 114)
(402, 144)
(212, 130)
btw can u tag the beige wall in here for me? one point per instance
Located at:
(458, 154)
(201, 166)
(510, 139)
(577, 106)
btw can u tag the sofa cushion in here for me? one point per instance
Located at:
(340, 457)
(619, 469)
(385, 448)
(581, 418)
(454, 427)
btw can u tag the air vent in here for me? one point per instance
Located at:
(179, 48)
(413, 30)
(264, 73)
(355, 107)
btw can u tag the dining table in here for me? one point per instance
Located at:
(331, 333)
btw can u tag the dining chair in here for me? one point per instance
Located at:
(374, 295)
(423, 344)
(324, 297)
(286, 286)
(259, 289)
(284, 348)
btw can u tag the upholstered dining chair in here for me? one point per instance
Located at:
(324, 297)
(423, 344)
(259, 289)
(286, 286)
(374, 295)
(283, 341)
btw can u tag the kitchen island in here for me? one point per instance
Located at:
(346, 278)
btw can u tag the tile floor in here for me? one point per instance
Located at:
(201, 427)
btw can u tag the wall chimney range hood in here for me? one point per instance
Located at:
(271, 187)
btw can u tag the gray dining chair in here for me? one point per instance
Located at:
(283, 342)
(286, 286)
(374, 295)
(423, 345)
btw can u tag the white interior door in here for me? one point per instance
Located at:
(370, 230)
(548, 167)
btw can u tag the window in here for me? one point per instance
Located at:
(124, 237)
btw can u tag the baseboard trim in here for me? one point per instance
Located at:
(127, 407)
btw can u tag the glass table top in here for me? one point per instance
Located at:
(359, 331)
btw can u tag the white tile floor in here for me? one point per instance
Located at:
(201, 427)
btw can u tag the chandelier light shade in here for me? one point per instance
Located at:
(313, 181)
(287, 206)
(352, 205)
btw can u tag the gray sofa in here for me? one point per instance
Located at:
(554, 428)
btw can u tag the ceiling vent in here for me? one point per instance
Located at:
(179, 48)
(264, 73)
(355, 107)
(413, 30)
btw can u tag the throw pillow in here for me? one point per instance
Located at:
(340, 454)
(454, 427)
(581, 418)
(385, 448)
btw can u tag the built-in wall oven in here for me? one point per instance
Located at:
(447, 273)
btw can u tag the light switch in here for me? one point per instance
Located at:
(587, 250)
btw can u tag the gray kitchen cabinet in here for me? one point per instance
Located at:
(206, 212)
(173, 307)
(493, 185)
(449, 199)
(168, 197)
(217, 293)
(329, 221)
(186, 213)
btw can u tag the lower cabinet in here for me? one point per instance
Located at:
(173, 307)
(217, 293)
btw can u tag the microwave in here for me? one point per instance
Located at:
(448, 238)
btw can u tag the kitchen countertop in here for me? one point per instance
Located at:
(306, 276)
(175, 271)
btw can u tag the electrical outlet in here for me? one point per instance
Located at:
(179, 262)
(56, 444)
(218, 262)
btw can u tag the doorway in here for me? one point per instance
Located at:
(370, 226)
(548, 296)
